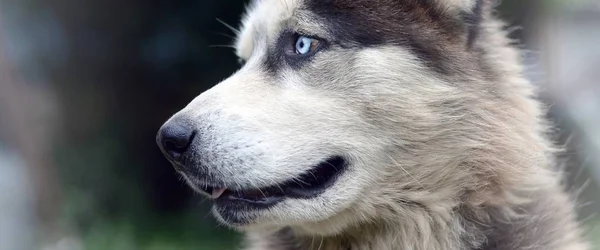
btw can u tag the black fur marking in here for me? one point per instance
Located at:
(276, 55)
(473, 21)
(283, 53)
(274, 59)
(418, 25)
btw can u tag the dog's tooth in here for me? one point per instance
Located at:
(217, 192)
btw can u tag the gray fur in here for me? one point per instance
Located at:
(447, 145)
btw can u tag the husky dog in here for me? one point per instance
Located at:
(375, 124)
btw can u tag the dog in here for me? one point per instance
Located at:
(376, 124)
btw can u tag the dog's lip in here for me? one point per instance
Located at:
(308, 185)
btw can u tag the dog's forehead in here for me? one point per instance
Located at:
(263, 18)
(428, 28)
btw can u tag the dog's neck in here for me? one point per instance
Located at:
(543, 223)
(368, 237)
(419, 234)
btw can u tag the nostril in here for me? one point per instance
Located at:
(179, 144)
(176, 139)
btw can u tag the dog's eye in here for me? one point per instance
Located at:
(306, 45)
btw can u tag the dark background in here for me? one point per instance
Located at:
(85, 85)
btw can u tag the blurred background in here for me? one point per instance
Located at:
(85, 85)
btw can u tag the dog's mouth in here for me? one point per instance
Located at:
(308, 185)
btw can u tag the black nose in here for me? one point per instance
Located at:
(175, 139)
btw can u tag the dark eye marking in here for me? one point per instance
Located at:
(294, 50)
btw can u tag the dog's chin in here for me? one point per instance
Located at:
(242, 208)
(305, 217)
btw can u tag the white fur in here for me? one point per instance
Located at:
(263, 18)
(425, 149)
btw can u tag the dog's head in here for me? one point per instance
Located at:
(342, 110)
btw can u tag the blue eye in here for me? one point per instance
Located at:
(305, 45)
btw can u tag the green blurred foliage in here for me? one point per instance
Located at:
(128, 66)
(171, 234)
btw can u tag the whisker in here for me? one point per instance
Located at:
(221, 46)
(336, 169)
(299, 181)
(408, 173)
(256, 187)
(321, 244)
(311, 173)
(280, 188)
(225, 35)
(235, 31)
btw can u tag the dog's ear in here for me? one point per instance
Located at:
(473, 16)
(458, 6)
(470, 11)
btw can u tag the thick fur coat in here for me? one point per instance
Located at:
(444, 143)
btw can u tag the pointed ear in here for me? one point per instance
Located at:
(471, 11)
(457, 6)
(473, 16)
